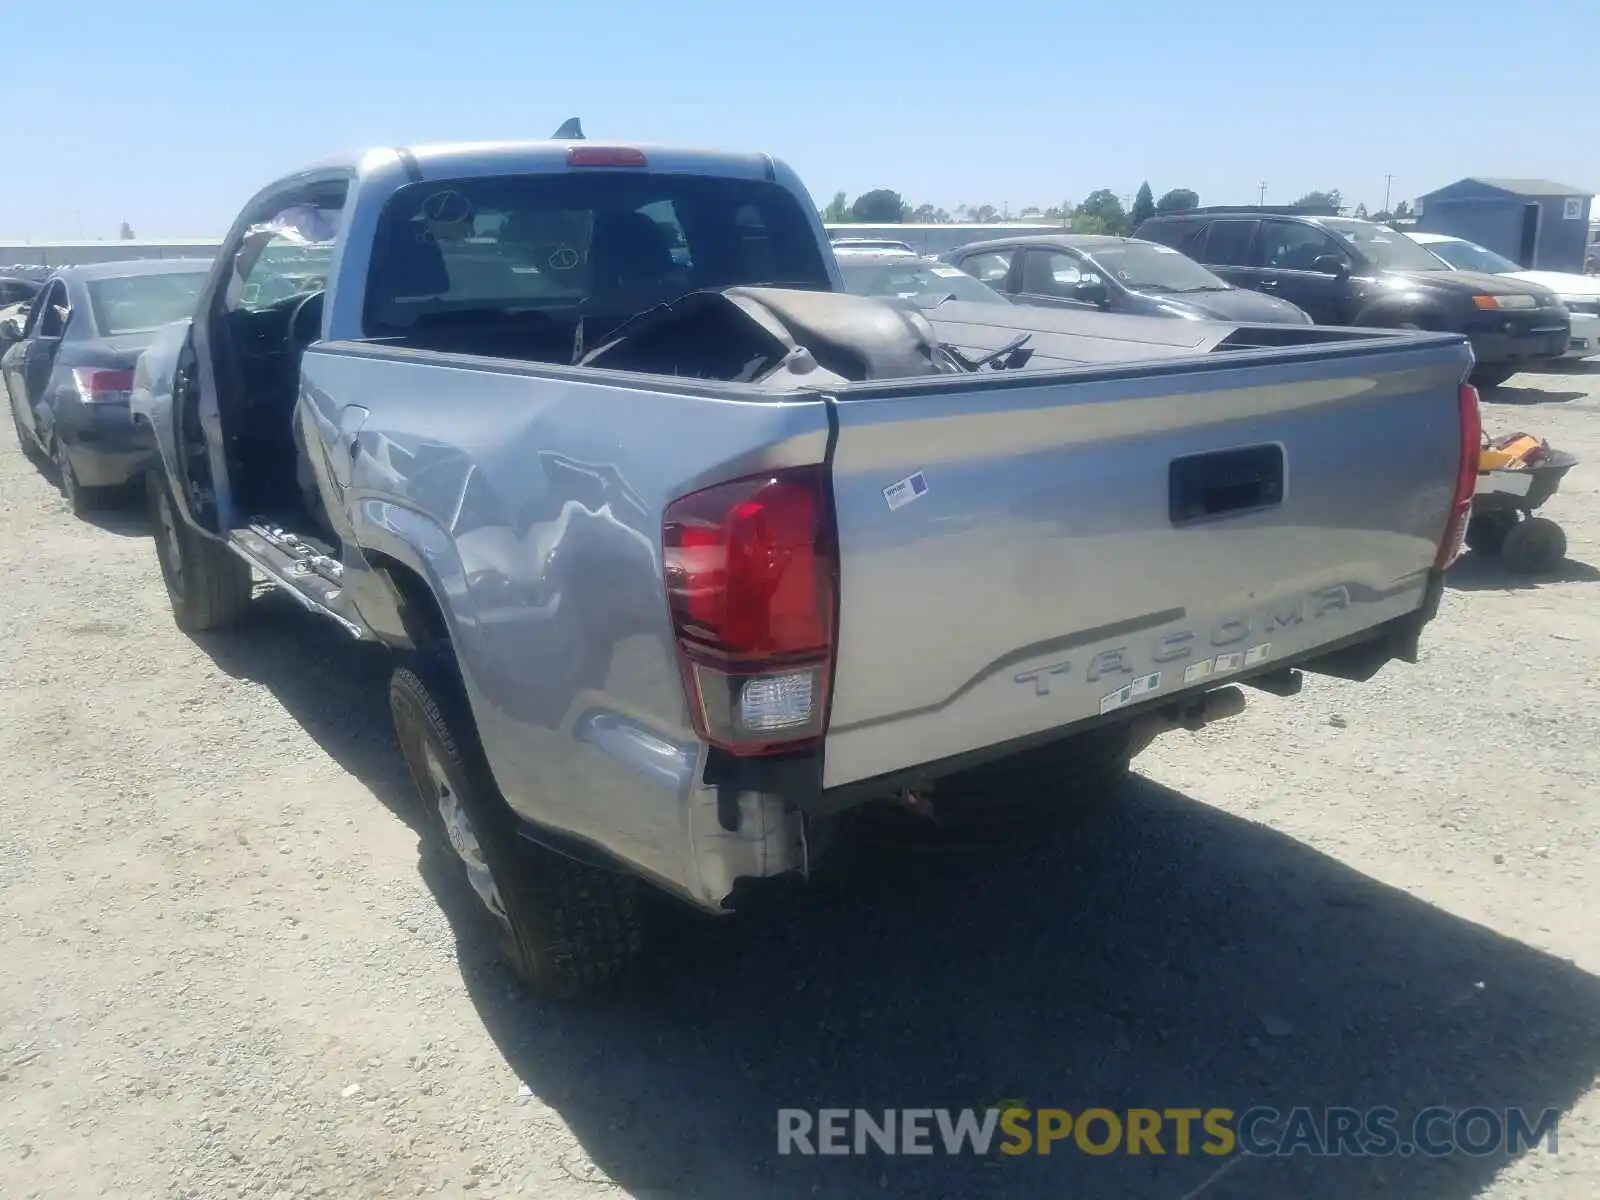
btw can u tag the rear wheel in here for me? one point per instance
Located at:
(1486, 532)
(24, 439)
(565, 927)
(1535, 545)
(208, 585)
(82, 500)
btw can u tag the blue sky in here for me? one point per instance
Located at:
(169, 115)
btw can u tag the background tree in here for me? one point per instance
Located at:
(1177, 200)
(1402, 211)
(838, 210)
(1361, 211)
(983, 214)
(1329, 199)
(880, 206)
(126, 233)
(1102, 209)
(1144, 206)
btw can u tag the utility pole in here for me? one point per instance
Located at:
(1261, 193)
(1387, 180)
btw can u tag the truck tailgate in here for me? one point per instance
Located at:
(1017, 555)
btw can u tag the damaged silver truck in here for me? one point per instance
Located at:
(684, 552)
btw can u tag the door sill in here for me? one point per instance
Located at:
(304, 567)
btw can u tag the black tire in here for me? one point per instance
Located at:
(82, 500)
(1491, 377)
(1533, 546)
(565, 927)
(1486, 532)
(208, 585)
(25, 440)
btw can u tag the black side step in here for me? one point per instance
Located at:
(301, 566)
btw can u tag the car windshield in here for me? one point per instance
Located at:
(911, 278)
(140, 303)
(286, 268)
(1147, 267)
(1383, 247)
(1469, 256)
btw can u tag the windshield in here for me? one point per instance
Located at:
(286, 268)
(911, 278)
(1469, 256)
(1147, 267)
(140, 303)
(1383, 247)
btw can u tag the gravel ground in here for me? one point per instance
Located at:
(226, 971)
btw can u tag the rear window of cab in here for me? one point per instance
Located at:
(602, 242)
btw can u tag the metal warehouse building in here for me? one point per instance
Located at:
(1539, 223)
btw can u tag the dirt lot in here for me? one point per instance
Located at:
(223, 971)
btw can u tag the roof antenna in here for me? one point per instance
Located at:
(570, 131)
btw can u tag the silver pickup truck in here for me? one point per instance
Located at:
(685, 554)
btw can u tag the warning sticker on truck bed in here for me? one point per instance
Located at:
(1129, 692)
(905, 491)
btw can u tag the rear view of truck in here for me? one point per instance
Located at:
(980, 566)
(683, 553)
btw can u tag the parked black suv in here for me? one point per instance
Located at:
(1345, 271)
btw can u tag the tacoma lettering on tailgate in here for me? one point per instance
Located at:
(1176, 647)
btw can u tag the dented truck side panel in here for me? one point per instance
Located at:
(538, 530)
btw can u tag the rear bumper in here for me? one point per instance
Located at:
(1585, 341)
(1500, 346)
(104, 445)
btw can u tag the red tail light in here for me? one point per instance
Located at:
(752, 578)
(1455, 533)
(98, 386)
(606, 156)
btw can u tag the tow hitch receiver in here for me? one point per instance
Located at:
(1192, 715)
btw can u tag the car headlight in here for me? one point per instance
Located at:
(1581, 304)
(1502, 303)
